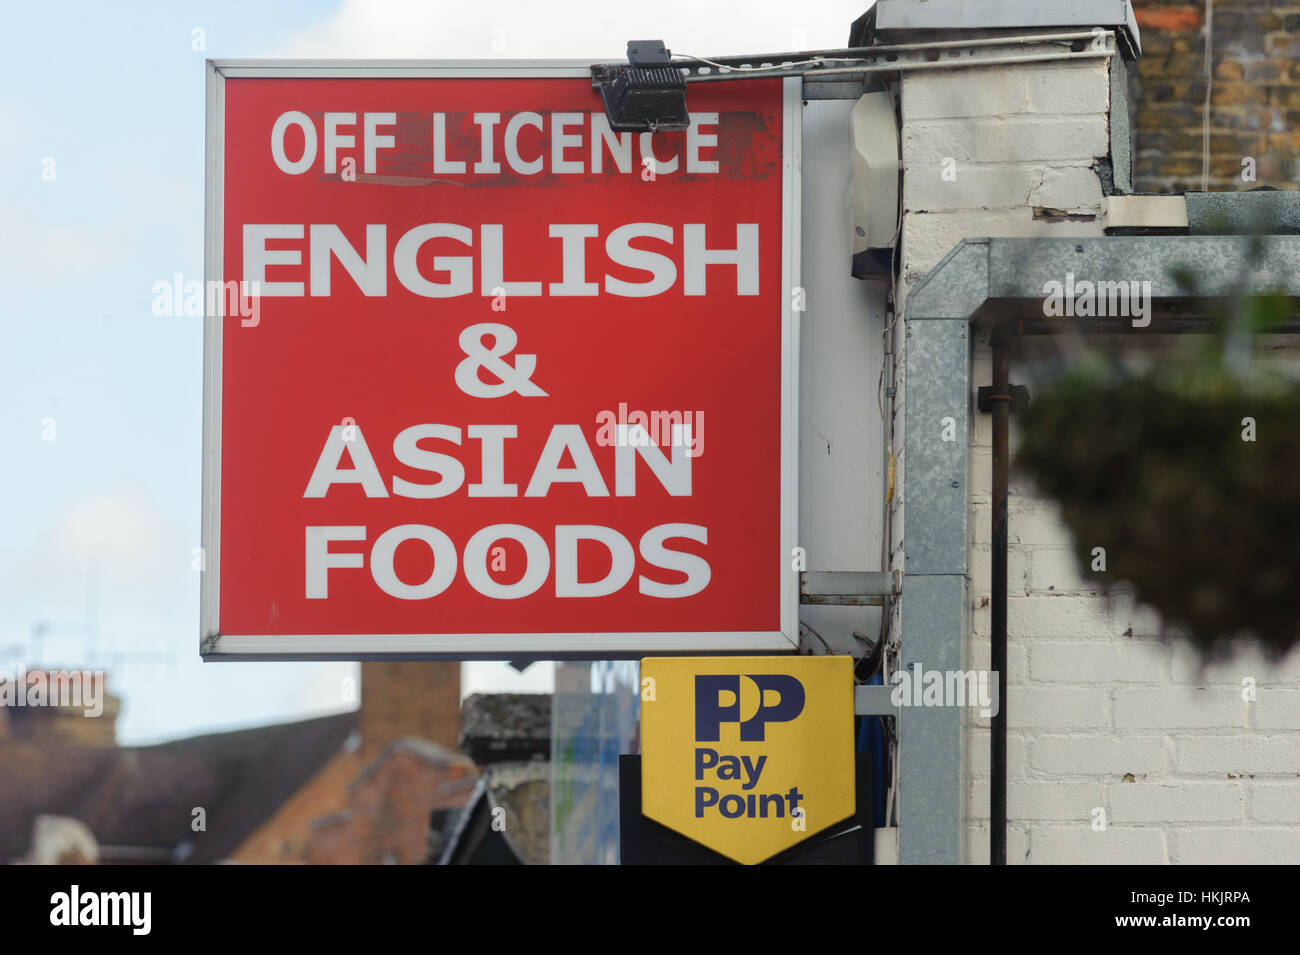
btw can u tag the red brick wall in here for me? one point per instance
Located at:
(383, 818)
(388, 817)
(400, 699)
(286, 837)
(1254, 94)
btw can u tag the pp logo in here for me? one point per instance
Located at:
(752, 700)
(748, 755)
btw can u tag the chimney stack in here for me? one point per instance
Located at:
(401, 698)
(71, 707)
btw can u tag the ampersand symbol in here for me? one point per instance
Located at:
(510, 378)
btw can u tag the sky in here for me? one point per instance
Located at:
(101, 197)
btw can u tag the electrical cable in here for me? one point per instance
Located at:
(760, 69)
(1209, 80)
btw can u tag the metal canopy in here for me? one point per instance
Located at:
(1005, 14)
(981, 279)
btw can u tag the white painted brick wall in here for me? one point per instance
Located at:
(1058, 618)
(1036, 523)
(1180, 801)
(981, 571)
(1097, 755)
(1063, 186)
(1066, 89)
(1081, 845)
(999, 186)
(1103, 712)
(1037, 708)
(1233, 755)
(1237, 845)
(1017, 756)
(1068, 189)
(1017, 139)
(1059, 571)
(1246, 663)
(1031, 800)
(1109, 663)
(1275, 802)
(1182, 706)
(1017, 844)
(1131, 619)
(1277, 710)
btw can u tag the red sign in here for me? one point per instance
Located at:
(511, 383)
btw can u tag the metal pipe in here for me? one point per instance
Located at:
(1000, 406)
(812, 73)
(1190, 325)
(858, 52)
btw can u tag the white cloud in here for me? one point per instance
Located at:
(17, 129)
(33, 256)
(120, 529)
(592, 30)
(109, 563)
(54, 247)
(482, 677)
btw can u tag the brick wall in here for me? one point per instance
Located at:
(352, 813)
(1104, 716)
(67, 725)
(407, 698)
(1254, 94)
(387, 817)
(998, 155)
(1020, 145)
(288, 835)
(330, 819)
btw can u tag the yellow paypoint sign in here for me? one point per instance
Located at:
(747, 755)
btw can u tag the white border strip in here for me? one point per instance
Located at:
(504, 646)
(214, 217)
(792, 221)
(464, 646)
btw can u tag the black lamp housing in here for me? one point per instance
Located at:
(646, 96)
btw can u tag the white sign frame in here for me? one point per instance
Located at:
(213, 645)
